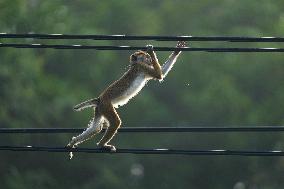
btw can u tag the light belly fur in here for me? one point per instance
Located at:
(135, 87)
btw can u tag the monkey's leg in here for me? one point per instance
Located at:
(111, 115)
(94, 127)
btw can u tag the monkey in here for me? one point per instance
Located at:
(144, 66)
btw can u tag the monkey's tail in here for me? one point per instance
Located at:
(87, 104)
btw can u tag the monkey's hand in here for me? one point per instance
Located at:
(180, 44)
(150, 49)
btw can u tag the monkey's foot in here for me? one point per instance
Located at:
(71, 145)
(70, 153)
(109, 148)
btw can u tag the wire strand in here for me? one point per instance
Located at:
(136, 37)
(145, 151)
(149, 129)
(96, 47)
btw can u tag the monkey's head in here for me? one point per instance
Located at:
(140, 57)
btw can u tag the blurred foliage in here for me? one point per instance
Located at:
(39, 87)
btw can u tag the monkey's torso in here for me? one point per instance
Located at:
(128, 86)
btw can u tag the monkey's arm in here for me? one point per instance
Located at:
(155, 62)
(167, 66)
(155, 71)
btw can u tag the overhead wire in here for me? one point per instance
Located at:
(150, 129)
(137, 37)
(110, 47)
(141, 37)
(146, 151)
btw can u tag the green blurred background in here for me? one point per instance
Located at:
(39, 87)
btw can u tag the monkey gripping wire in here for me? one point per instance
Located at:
(136, 37)
(144, 129)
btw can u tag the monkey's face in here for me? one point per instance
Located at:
(140, 57)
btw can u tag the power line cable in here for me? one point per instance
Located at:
(145, 151)
(149, 129)
(97, 47)
(137, 37)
